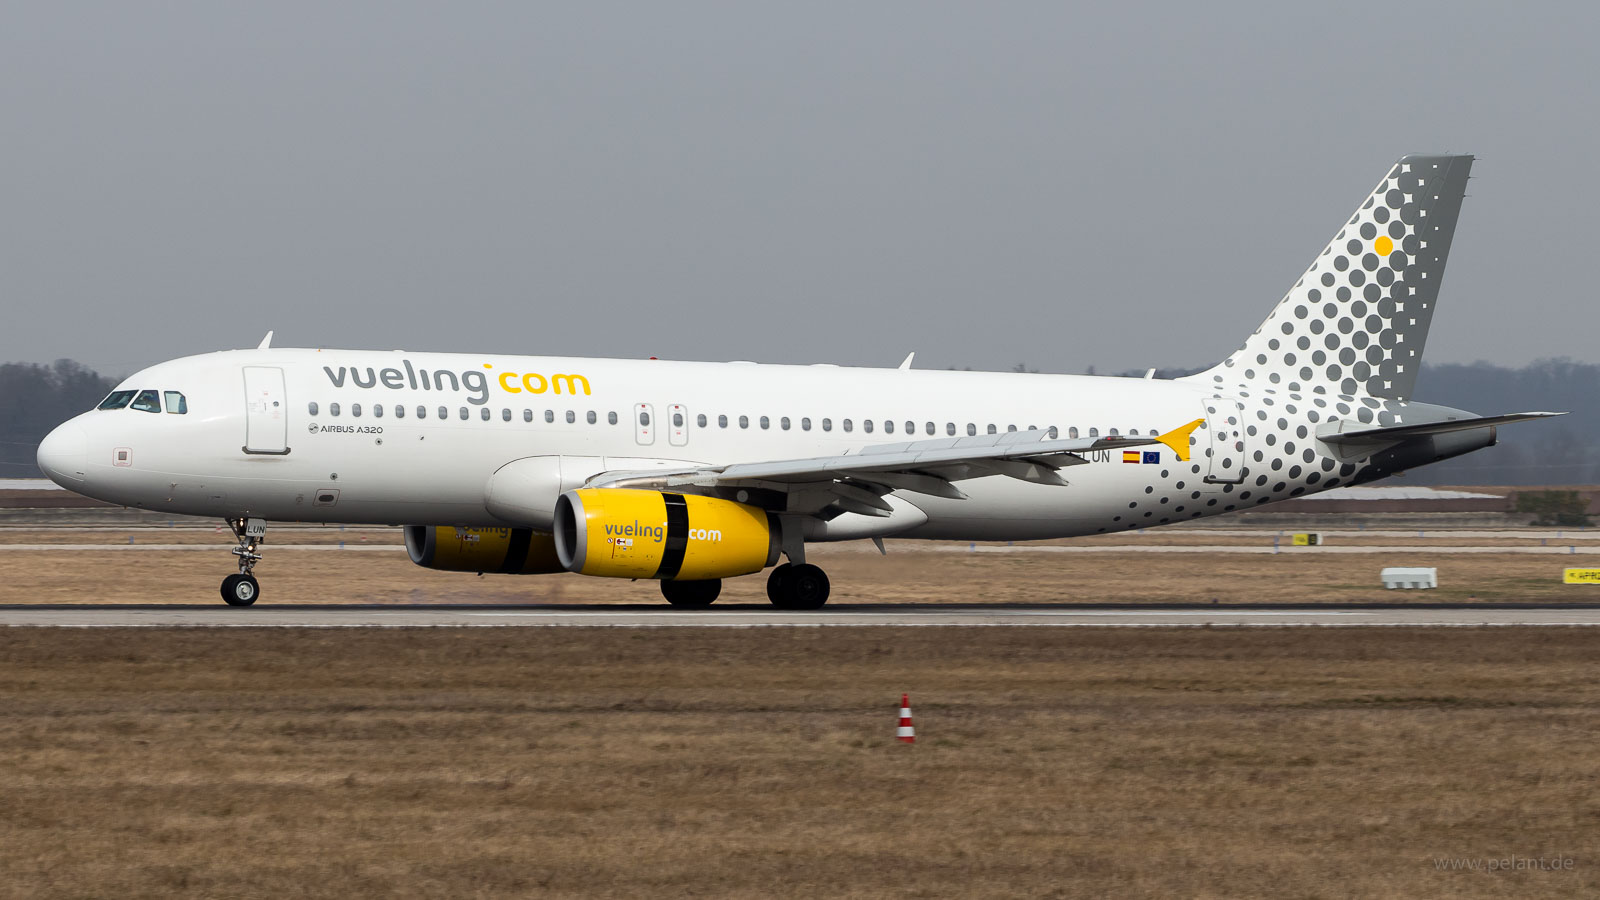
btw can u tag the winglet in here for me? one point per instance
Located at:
(906, 363)
(1178, 439)
(266, 342)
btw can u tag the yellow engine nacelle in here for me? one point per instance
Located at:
(510, 551)
(626, 533)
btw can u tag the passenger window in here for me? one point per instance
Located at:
(377, 410)
(677, 419)
(888, 426)
(355, 410)
(1011, 428)
(422, 411)
(805, 424)
(1054, 433)
(147, 401)
(464, 414)
(116, 400)
(399, 410)
(911, 428)
(1112, 433)
(611, 418)
(827, 424)
(549, 416)
(1072, 432)
(527, 415)
(1094, 432)
(644, 418)
(572, 417)
(931, 428)
(950, 428)
(784, 423)
(592, 417)
(993, 429)
(505, 415)
(700, 420)
(848, 426)
(765, 423)
(311, 408)
(971, 429)
(484, 413)
(444, 413)
(333, 410)
(177, 404)
(744, 421)
(866, 425)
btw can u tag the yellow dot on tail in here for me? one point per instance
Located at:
(1383, 246)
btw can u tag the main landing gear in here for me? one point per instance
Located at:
(243, 589)
(797, 586)
(790, 586)
(691, 594)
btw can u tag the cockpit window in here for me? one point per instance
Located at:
(147, 401)
(116, 400)
(177, 404)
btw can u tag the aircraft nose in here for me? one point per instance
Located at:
(64, 455)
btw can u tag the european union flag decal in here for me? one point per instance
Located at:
(1152, 457)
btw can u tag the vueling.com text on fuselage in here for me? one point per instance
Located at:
(474, 382)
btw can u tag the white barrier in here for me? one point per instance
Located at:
(1410, 579)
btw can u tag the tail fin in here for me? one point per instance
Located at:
(1356, 321)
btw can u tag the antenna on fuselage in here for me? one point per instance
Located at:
(906, 363)
(266, 342)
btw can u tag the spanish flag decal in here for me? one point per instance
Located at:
(1130, 456)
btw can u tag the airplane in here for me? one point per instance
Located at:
(693, 472)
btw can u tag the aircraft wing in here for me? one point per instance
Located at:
(858, 479)
(1396, 433)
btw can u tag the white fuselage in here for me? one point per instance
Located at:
(466, 416)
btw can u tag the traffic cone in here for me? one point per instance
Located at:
(906, 733)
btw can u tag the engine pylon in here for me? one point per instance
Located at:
(906, 733)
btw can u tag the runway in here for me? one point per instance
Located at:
(842, 616)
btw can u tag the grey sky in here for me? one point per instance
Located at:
(1117, 185)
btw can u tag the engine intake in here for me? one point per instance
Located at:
(627, 533)
(509, 551)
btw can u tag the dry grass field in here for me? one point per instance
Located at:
(912, 572)
(738, 763)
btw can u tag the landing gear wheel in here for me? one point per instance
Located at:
(691, 594)
(240, 590)
(775, 583)
(801, 587)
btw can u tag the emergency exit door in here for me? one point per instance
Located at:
(266, 411)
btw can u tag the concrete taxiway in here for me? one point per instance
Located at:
(843, 615)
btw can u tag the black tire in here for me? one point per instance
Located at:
(691, 594)
(804, 587)
(775, 583)
(240, 590)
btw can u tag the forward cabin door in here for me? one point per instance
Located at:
(266, 411)
(1225, 459)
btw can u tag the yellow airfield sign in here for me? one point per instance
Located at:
(1581, 576)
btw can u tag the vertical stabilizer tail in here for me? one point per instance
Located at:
(1356, 322)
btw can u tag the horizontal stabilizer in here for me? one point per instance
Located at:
(1396, 433)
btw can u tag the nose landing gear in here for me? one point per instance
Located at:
(243, 589)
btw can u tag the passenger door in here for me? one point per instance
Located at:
(266, 411)
(1225, 425)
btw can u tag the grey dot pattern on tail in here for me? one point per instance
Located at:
(1357, 321)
